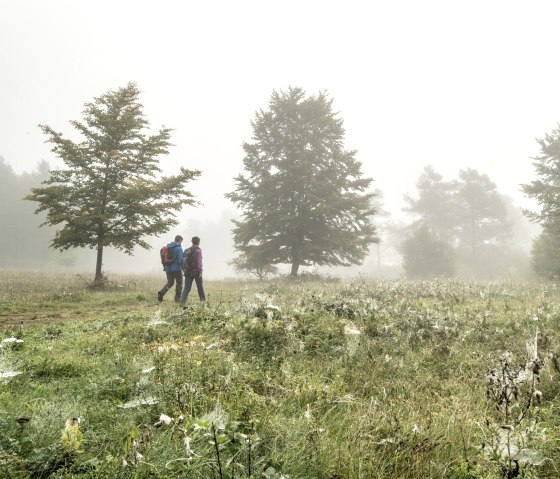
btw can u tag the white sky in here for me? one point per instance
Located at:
(449, 83)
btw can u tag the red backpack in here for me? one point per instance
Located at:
(167, 254)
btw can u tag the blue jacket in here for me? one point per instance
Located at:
(178, 252)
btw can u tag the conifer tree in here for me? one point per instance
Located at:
(111, 191)
(303, 198)
(545, 190)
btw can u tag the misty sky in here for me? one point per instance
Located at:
(448, 83)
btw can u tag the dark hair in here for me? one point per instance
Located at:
(178, 238)
(195, 240)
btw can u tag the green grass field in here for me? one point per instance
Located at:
(357, 379)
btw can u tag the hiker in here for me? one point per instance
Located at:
(171, 258)
(192, 267)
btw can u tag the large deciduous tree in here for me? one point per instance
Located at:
(303, 198)
(111, 191)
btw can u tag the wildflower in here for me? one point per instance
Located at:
(538, 396)
(71, 436)
(163, 420)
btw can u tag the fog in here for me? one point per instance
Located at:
(448, 84)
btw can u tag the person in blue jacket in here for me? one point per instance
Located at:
(173, 271)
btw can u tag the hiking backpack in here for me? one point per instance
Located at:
(190, 261)
(167, 254)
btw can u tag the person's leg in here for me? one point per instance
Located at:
(178, 275)
(187, 288)
(167, 286)
(200, 288)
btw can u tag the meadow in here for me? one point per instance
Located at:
(279, 379)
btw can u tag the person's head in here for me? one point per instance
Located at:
(195, 240)
(178, 239)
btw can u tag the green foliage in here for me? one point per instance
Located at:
(111, 192)
(544, 190)
(303, 199)
(546, 255)
(483, 222)
(425, 255)
(435, 203)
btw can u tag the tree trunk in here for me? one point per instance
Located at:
(99, 263)
(295, 267)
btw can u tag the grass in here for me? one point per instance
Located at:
(363, 379)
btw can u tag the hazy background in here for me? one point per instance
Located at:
(451, 84)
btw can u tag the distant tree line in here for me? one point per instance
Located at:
(461, 227)
(22, 242)
(302, 197)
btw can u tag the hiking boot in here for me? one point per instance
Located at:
(160, 296)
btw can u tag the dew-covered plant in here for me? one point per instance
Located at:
(513, 431)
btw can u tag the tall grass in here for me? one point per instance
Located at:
(363, 379)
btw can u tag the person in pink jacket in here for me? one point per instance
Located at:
(192, 268)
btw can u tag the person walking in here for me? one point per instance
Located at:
(192, 267)
(172, 258)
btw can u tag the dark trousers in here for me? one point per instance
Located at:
(188, 285)
(173, 277)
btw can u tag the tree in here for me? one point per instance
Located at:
(111, 192)
(469, 215)
(545, 255)
(545, 190)
(253, 264)
(304, 198)
(482, 219)
(382, 222)
(435, 204)
(426, 255)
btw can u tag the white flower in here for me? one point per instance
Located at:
(164, 419)
(307, 413)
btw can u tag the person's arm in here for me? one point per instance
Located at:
(199, 260)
